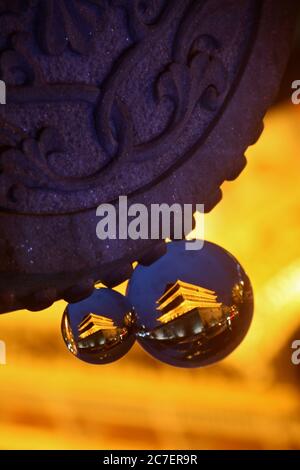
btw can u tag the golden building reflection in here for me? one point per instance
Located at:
(181, 298)
(97, 331)
(93, 323)
(188, 311)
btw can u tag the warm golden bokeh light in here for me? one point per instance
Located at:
(50, 400)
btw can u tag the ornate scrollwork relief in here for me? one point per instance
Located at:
(194, 77)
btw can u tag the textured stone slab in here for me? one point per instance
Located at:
(156, 100)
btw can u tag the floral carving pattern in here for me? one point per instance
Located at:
(195, 76)
(196, 73)
(31, 159)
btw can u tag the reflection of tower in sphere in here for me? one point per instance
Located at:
(96, 337)
(199, 305)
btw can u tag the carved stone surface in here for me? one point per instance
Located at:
(157, 100)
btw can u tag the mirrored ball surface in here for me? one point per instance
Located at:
(99, 329)
(194, 307)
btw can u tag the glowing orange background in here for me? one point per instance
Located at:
(50, 400)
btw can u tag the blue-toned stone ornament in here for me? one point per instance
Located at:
(99, 329)
(193, 307)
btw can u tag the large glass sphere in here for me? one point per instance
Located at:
(99, 329)
(193, 307)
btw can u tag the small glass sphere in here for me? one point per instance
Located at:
(99, 329)
(193, 307)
